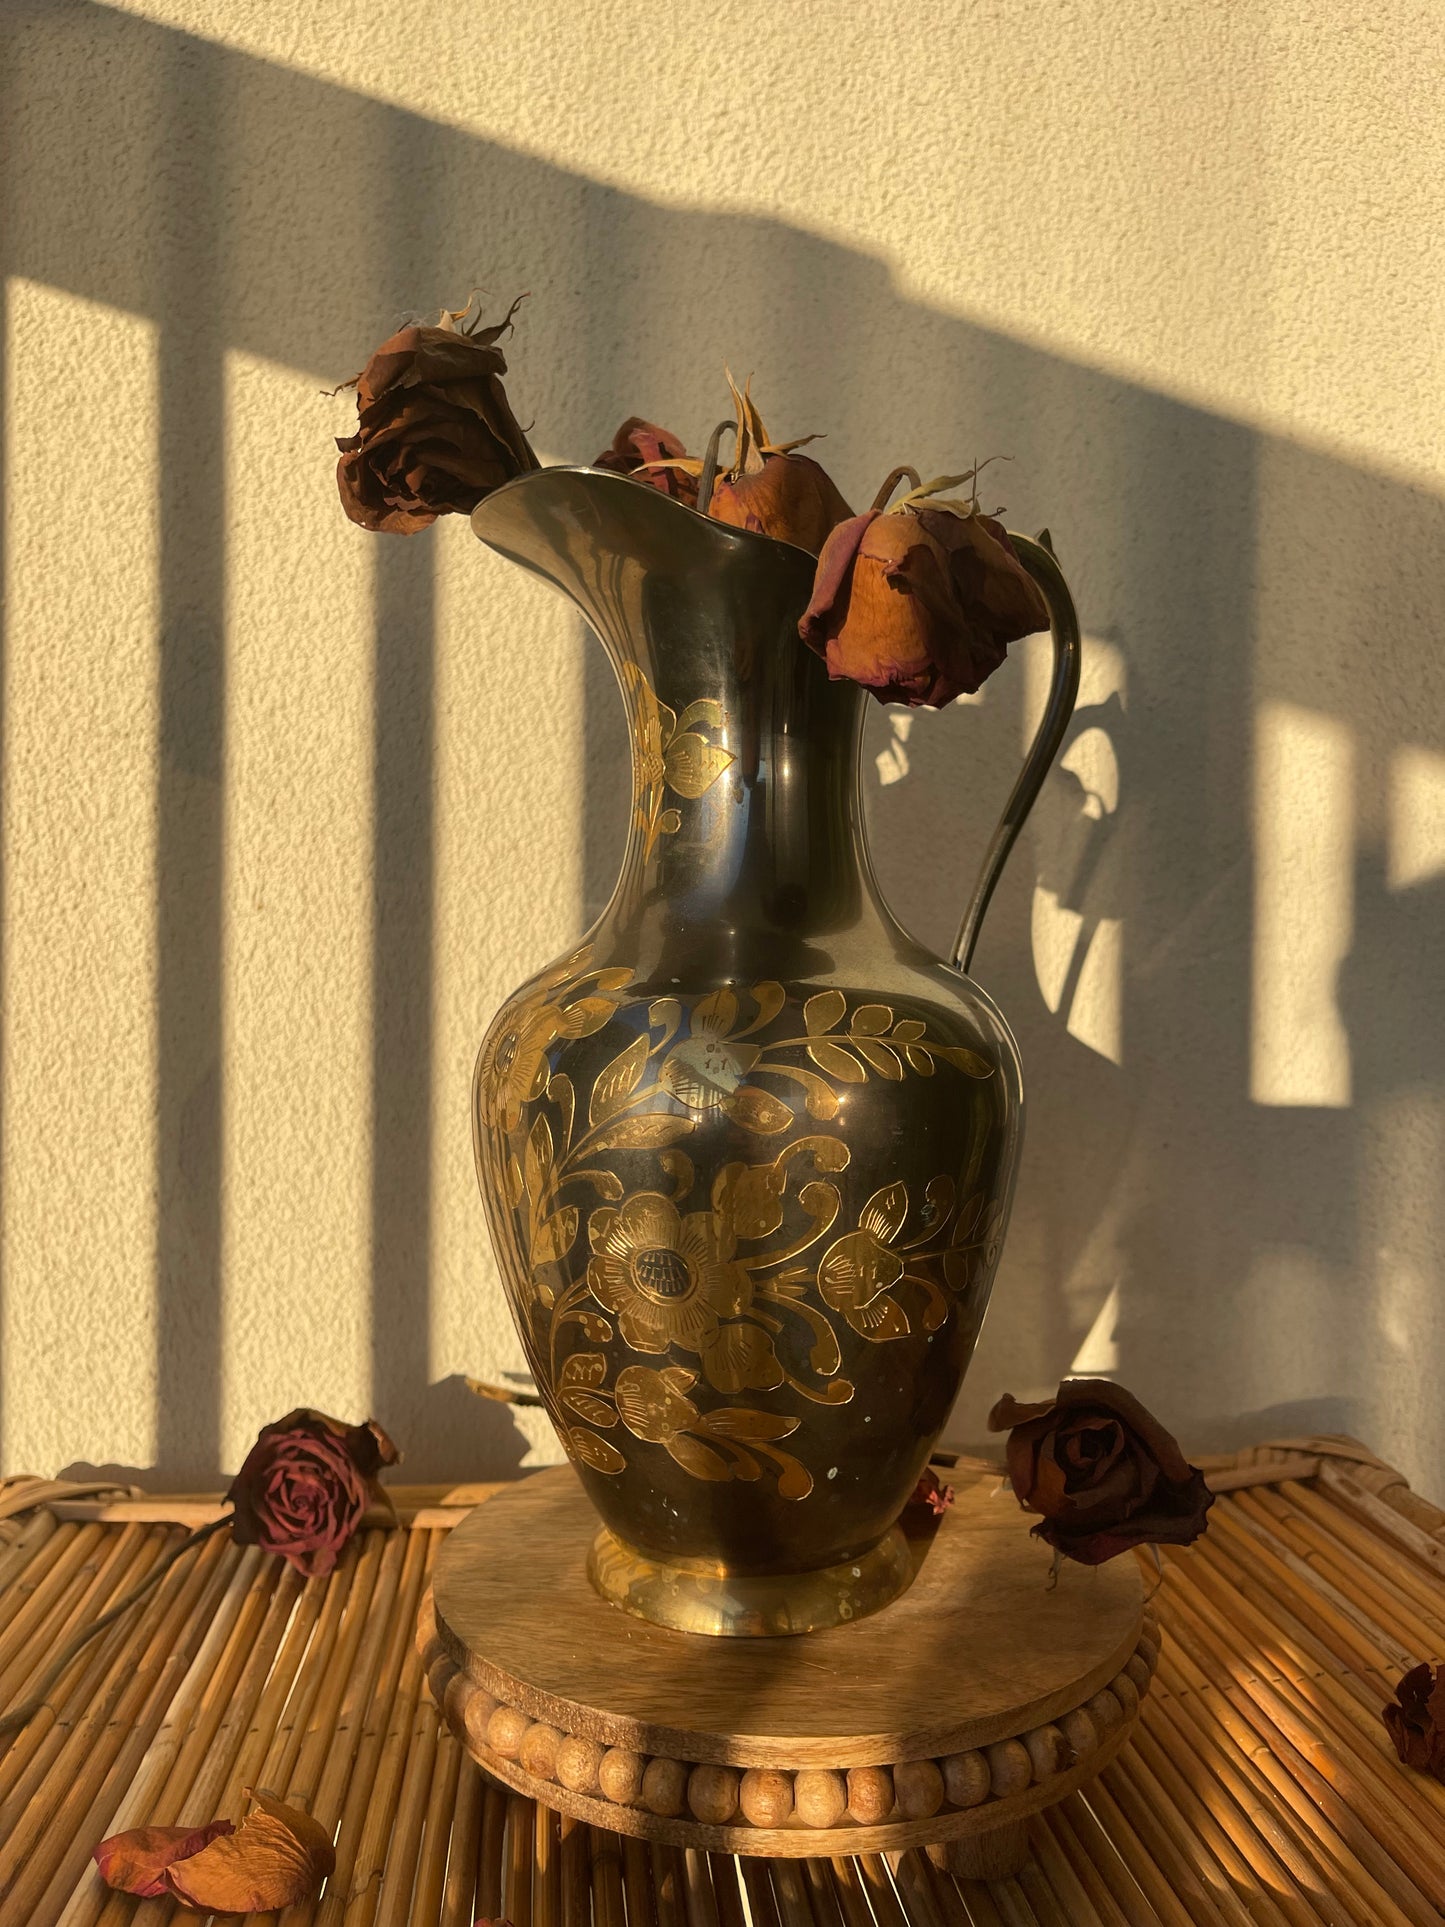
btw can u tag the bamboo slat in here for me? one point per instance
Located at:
(1261, 1789)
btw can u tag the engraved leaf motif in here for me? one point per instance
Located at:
(698, 1459)
(871, 1019)
(597, 1328)
(883, 1215)
(823, 1011)
(539, 1159)
(715, 1014)
(564, 1097)
(553, 1239)
(795, 1481)
(616, 1083)
(594, 1451)
(749, 1198)
(650, 1407)
(880, 1319)
(837, 1062)
(908, 1030)
(516, 1188)
(669, 822)
(583, 1368)
(692, 764)
(883, 1060)
(756, 1110)
(769, 998)
(737, 1422)
(703, 709)
(588, 1014)
(920, 1061)
(965, 1060)
(646, 1132)
(678, 1377)
(587, 1405)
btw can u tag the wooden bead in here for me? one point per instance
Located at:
(1105, 1711)
(477, 1716)
(712, 1794)
(538, 1755)
(426, 1623)
(1127, 1694)
(1148, 1651)
(458, 1696)
(966, 1779)
(431, 1653)
(918, 1786)
(820, 1796)
(870, 1794)
(1010, 1769)
(620, 1776)
(766, 1796)
(578, 1761)
(439, 1676)
(506, 1730)
(1048, 1751)
(664, 1788)
(1080, 1731)
(1138, 1671)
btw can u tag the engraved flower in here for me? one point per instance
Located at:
(859, 1271)
(518, 1061)
(674, 1282)
(706, 1070)
(514, 1067)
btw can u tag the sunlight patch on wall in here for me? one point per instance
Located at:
(1417, 817)
(1098, 1356)
(1303, 905)
(77, 793)
(297, 895)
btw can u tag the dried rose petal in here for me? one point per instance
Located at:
(305, 1485)
(136, 1862)
(638, 442)
(277, 1857)
(1416, 1719)
(1102, 1471)
(770, 489)
(932, 1492)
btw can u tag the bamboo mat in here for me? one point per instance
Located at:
(1260, 1789)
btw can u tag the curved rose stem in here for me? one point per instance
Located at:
(880, 500)
(708, 476)
(21, 1715)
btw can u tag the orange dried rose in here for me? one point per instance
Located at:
(920, 602)
(277, 1857)
(436, 433)
(305, 1485)
(1415, 1719)
(1102, 1471)
(650, 455)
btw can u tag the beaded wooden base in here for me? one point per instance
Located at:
(980, 1696)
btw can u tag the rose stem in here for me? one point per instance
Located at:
(20, 1715)
(880, 500)
(708, 477)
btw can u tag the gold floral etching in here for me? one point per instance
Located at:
(670, 752)
(705, 1285)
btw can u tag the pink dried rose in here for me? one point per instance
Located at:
(649, 454)
(278, 1857)
(1101, 1470)
(919, 602)
(436, 432)
(305, 1485)
(1415, 1719)
(930, 1491)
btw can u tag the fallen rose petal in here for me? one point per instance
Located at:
(136, 1862)
(932, 1492)
(277, 1857)
(1415, 1720)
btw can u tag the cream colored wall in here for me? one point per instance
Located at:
(287, 809)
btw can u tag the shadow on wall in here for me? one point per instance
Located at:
(1223, 1253)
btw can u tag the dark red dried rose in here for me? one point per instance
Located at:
(637, 443)
(930, 1491)
(436, 432)
(305, 1485)
(920, 603)
(1102, 1471)
(1416, 1719)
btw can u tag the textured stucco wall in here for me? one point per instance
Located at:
(288, 809)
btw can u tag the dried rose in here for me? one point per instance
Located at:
(1416, 1719)
(305, 1485)
(1102, 1471)
(932, 1492)
(920, 602)
(649, 454)
(136, 1862)
(436, 432)
(279, 1856)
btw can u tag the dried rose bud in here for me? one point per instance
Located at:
(1101, 1470)
(768, 488)
(1416, 1719)
(920, 603)
(649, 454)
(305, 1485)
(930, 1491)
(436, 431)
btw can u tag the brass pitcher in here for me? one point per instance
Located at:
(748, 1152)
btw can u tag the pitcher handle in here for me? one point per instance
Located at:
(1038, 558)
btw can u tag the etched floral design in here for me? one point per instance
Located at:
(513, 1068)
(669, 752)
(859, 1273)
